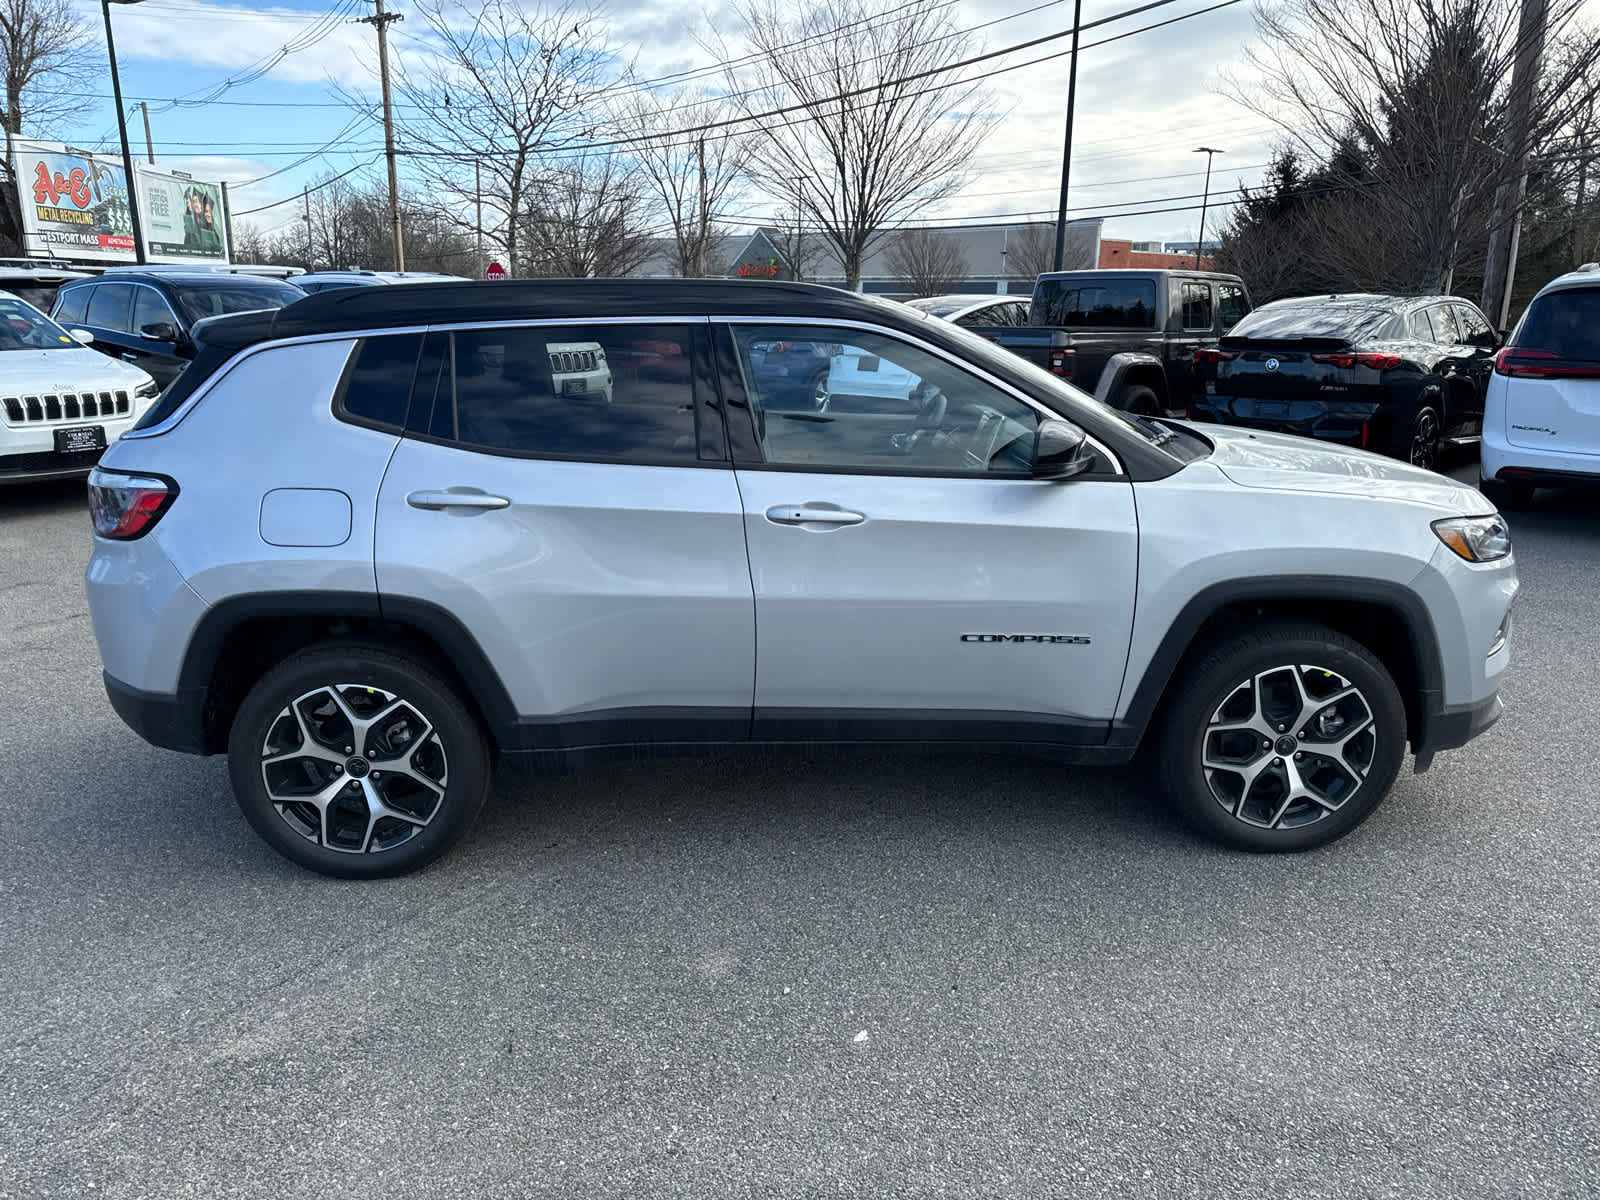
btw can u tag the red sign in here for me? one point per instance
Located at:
(494, 271)
(758, 270)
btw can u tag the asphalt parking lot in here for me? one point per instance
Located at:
(879, 976)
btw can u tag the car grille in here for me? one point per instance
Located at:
(64, 406)
(574, 360)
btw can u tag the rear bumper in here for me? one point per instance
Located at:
(173, 722)
(1325, 424)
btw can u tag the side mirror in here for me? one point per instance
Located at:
(82, 336)
(159, 331)
(1060, 450)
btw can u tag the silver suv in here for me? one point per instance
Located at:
(374, 543)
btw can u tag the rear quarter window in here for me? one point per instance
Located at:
(377, 383)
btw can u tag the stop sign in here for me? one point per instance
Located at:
(494, 271)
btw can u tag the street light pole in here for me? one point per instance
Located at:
(1205, 200)
(122, 131)
(1066, 152)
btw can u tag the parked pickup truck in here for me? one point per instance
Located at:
(1129, 337)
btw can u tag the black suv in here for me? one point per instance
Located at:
(145, 317)
(1395, 374)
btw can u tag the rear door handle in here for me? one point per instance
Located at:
(810, 514)
(456, 498)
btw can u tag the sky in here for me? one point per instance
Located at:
(1143, 102)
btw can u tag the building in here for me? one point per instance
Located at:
(1148, 256)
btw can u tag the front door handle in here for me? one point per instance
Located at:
(456, 498)
(133, 358)
(812, 514)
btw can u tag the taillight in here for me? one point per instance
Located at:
(1344, 360)
(1542, 364)
(1214, 354)
(125, 507)
(1061, 361)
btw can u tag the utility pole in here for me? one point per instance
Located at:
(380, 21)
(1505, 224)
(1066, 153)
(149, 146)
(122, 132)
(1205, 199)
(704, 232)
(310, 264)
(477, 191)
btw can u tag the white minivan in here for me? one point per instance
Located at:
(1541, 416)
(61, 403)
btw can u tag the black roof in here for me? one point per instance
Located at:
(196, 275)
(356, 309)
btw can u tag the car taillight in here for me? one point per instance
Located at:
(125, 507)
(1342, 360)
(1214, 354)
(1518, 363)
(1061, 361)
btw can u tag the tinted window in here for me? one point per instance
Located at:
(377, 385)
(149, 308)
(110, 305)
(71, 303)
(884, 406)
(1100, 303)
(1444, 325)
(1196, 305)
(1564, 323)
(1475, 326)
(201, 300)
(939, 306)
(1231, 304)
(1311, 320)
(619, 393)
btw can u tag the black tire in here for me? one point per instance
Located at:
(1139, 399)
(1507, 496)
(431, 794)
(817, 391)
(1424, 439)
(1218, 801)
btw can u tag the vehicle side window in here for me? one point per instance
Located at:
(608, 393)
(1232, 306)
(1444, 325)
(1475, 327)
(878, 404)
(1108, 303)
(1196, 305)
(1421, 328)
(1016, 314)
(109, 307)
(150, 308)
(71, 304)
(377, 383)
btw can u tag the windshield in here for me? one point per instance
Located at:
(23, 327)
(1319, 319)
(940, 306)
(1053, 390)
(201, 300)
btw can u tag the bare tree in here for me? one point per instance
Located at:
(1420, 86)
(509, 83)
(874, 139)
(926, 262)
(692, 175)
(47, 55)
(797, 246)
(587, 218)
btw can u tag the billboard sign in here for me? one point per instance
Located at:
(75, 205)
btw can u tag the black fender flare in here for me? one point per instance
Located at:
(1117, 369)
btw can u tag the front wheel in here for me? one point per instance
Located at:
(358, 762)
(1284, 737)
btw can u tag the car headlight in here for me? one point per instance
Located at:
(1476, 539)
(148, 390)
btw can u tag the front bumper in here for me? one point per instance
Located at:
(1447, 728)
(46, 465)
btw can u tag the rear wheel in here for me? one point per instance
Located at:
(1283, 738)
(817, 389)
(1138, 399)
(1423, 450)
(358, 762)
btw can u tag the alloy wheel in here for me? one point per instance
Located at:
(1289, 746)
(819, 393)
(1425, 440)
(354, 768)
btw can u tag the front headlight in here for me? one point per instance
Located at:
(1476, 539)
